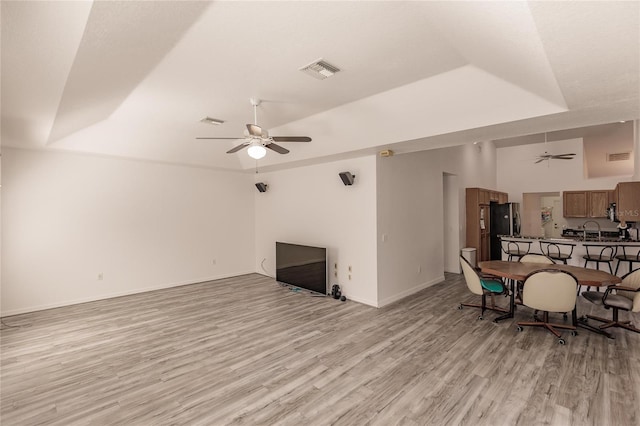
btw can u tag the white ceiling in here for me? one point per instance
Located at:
(133, 79)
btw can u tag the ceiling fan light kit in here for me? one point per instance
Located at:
(257, 139)
(256, 151)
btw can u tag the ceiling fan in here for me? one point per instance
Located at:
(546, 156)
(257, 139)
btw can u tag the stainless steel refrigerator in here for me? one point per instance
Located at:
(505, 220)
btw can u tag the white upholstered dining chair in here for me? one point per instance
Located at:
(550, 290)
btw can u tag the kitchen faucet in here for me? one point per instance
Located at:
(584, 229)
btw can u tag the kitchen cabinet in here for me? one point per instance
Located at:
(597, 203)
(478, 219)
(585, 203)
(483, 196)
(574, 203)
(628, 201)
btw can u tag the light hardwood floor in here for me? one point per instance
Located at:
(246, 351)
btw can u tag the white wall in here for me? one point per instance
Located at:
(311, 206)
(410, 213)
(68, 217)
(517, 173)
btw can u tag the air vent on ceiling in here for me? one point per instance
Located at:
(213, 121)
(619, 156)
(320, 69)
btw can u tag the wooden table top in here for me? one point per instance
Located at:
(518, 271)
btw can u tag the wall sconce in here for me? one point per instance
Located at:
(262, 187)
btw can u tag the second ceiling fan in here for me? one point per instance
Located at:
(256, 139)
(547, 156)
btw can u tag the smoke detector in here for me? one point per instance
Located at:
(320, 69)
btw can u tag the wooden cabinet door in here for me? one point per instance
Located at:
(503, 197)
(574, 203)
(483, 196)
(628, 206)
(598, 203)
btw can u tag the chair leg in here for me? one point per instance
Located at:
(610, 269)
(617, 266)
(614, 322)
(483, 306)
(551, 327)
(627, 325)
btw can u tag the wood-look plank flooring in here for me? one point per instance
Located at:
(246, 351)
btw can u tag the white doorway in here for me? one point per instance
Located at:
(451, 223)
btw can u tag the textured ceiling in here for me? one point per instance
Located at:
(133, 79)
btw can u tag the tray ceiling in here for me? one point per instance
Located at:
(133, 79)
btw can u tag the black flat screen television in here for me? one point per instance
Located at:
(302, 266)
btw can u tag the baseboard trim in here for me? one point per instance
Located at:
(353, 299)
(118, 294)
(362, 301)
(410, 291)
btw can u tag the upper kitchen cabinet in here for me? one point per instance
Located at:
(597, 202)
(574, 203)
(628, 201)
(585, 203)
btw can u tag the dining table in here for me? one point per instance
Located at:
(517, 271)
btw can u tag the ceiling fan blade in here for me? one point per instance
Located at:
(237, 148)
(291, 138)
(540, 160)
(221, 138)
(277, 148)
(254, 130)
(560, 157)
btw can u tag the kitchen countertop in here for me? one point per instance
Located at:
(594, 240)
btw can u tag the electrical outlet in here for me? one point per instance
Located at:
(349, 268)
(213, 261)
(349, 276)
(100, 276)
(335, 274)
(335, 266)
